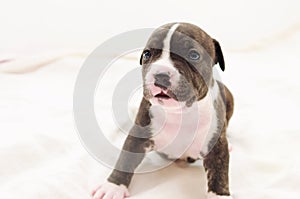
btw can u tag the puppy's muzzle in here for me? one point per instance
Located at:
(162, 80)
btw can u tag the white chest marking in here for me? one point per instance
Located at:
(181, 133)
(214, 93)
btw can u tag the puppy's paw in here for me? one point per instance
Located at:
(110, 191)
(211, 195)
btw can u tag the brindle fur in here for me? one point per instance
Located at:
(199, 76)
(216, 162)
(137, 142)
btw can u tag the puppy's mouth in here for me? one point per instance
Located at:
(162, 95)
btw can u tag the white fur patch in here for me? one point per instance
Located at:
(181, 133)
(167, 41)
(212, 131)
(164, 63)
(211, 195)
(215, 91)
(213, 94)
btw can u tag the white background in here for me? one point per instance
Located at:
(34, 24)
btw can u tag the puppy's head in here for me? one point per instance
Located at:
(177, 64)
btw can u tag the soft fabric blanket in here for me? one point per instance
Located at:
(42, 156)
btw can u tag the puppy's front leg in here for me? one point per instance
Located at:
(132, 154)
(216, 165)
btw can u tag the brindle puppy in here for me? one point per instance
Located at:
(184, 112)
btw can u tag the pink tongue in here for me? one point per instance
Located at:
(170, 102)
(163, 93)
(155, 90)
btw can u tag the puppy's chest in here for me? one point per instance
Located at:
(181, 133)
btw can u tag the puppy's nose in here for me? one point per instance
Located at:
(162, 80)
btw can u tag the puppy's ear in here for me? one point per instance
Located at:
(219, 55)
(141, 59)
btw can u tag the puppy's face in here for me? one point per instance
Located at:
(177, 64)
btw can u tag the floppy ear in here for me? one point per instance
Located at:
(141, 59)
(219, 55)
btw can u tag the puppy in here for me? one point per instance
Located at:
(184, 112)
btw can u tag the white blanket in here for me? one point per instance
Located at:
(41, 155)
(40, 152)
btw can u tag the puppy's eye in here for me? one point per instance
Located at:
(194, 55)
(146, 55)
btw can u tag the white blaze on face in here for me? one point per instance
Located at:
(163, 64)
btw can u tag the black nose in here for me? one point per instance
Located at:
(162, 80)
